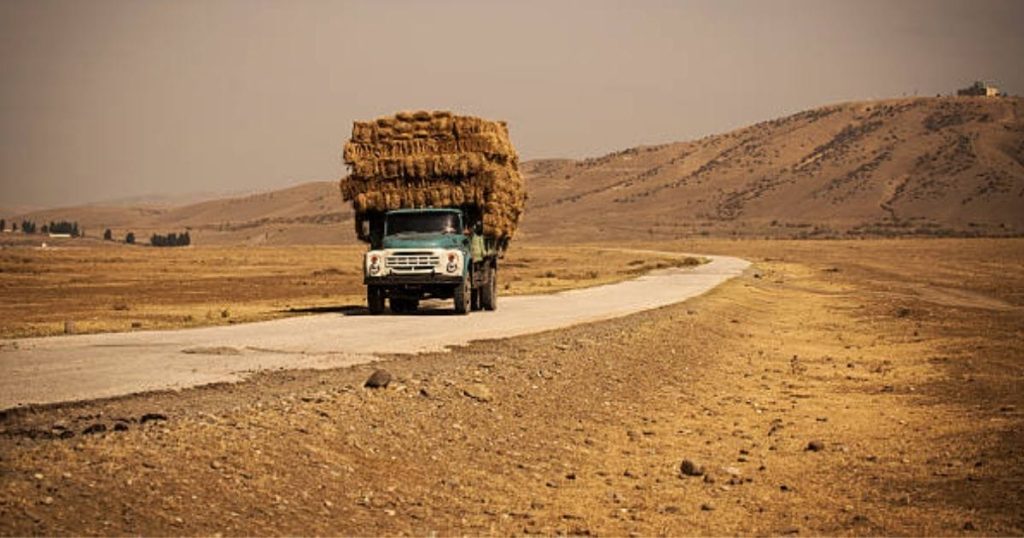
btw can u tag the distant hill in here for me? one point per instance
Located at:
(921, 166)
(308, 213)
(904, 166)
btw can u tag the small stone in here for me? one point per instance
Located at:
(707, 507)
(136, 324)
(378, 380)
(478, 392)
(216, 464)
(47, 500)
(150, 417)
(815, 446)
(328, 504)
(731, 471)
(690, 468)
(95, 428)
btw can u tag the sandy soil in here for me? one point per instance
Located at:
(900, 363)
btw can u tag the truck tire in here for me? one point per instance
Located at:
(474, 302)
(375, 299)
(489, 291)
(463, 296)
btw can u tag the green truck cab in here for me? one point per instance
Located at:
(418, 254)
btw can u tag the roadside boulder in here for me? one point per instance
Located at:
(378, 380)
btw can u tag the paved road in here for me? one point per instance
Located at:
(85, 367)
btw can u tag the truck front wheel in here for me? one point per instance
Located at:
(375, 299)
(489, 291)
(463, 296)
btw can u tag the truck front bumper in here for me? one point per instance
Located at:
(425, 279)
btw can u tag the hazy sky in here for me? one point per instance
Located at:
(110, 99)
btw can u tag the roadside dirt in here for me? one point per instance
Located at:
(822, 393)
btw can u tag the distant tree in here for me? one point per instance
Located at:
(65, 227)
(46, 229)
(3, 225)
(14, 226)
(28, 227)
(108, 235)
(130, 238)
(170, 240)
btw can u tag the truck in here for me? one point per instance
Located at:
(431, 253)
(437, 197)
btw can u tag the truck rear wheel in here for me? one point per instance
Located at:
(375, 299)
(474, 302)
(463, 296)
(489, 291)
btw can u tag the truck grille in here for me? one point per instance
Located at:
(413, 262)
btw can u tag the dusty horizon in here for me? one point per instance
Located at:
(116, 99)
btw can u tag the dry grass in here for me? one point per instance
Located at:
(904, 358)
(105, 288)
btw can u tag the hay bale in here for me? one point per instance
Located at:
(435, 159)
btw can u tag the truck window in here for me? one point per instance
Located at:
(402, 223)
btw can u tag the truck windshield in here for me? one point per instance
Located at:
(402, 223)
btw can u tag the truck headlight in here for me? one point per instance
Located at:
(453, 263)
(374, 266)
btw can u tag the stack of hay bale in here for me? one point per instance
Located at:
(433, 160)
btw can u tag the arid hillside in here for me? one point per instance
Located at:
(921, 166)
(930, 166)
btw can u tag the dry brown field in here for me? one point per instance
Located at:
(837, 388)
(106, 287)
